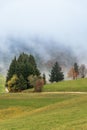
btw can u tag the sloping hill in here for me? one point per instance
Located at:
(43, 112)
(79, 85)
(2, 84)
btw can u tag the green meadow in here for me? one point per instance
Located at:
(45, 111)
(79, 85)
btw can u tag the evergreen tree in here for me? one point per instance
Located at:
(76, 69)
(33, 63)
(56, 73)
(26, 66)
(12, 69)
(22, 83)
(44, 78)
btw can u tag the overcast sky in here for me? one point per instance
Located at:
(64, 21)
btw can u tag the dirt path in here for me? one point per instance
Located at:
(64, 92)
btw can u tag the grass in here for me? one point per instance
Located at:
(2, 84)
(43, 111)
(71, 85)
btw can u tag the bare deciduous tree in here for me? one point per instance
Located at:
(82, 71)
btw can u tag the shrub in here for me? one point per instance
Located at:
(36, 82)
(12, 84)
(39, 85)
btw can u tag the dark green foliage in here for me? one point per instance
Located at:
(44, 78)
(23, 67)
(76, 68)
(12, 69)
(56, 73)
(22, 83)
(26, 66)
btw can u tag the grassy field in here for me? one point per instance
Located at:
(71, 85)
(43, 111)
(2, 84)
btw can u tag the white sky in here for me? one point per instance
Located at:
(64, 21)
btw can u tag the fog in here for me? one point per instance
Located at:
(49, 29)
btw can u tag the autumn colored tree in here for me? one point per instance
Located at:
(74, 72)
(39, 85)
(12, 83)
(37, 82)
(71, 73)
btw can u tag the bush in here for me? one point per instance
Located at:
(16, 84)
(39, 85)
(12, 84)
(36, 82)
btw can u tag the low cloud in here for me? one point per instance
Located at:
(45, 51)
(49, 29)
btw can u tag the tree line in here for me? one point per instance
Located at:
(77, 71)
(23, 73)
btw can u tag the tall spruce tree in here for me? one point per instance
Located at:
(44, 78)
(33, 63)
(12, 69)
(76, 69)
(56, 73)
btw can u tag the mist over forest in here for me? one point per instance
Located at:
(50, 30)
(46, 53)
